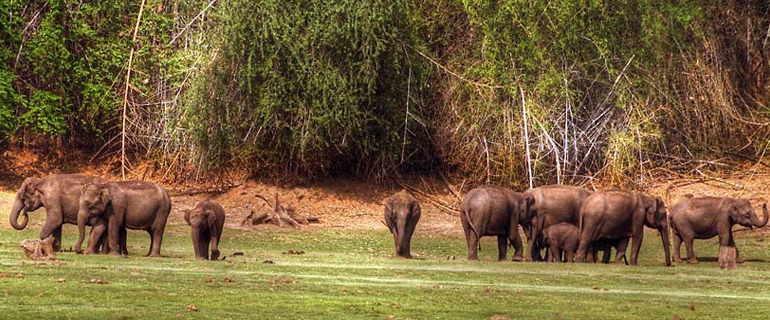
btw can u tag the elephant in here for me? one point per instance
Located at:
(495, 211)
(562, 238)
(615, 214)
(706, 217)
(136, 205)
(207, 220)
(402, 212)
(554, 204)
(59, 194)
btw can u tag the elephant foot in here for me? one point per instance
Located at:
(517, 259)
(154, 255)
(677, 259)
(692, 260)
(739, 260)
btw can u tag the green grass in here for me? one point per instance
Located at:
(350, 274)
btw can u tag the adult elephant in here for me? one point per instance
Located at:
(616, 214)
(137, 205)
(707, 217)
(553, 204)
(59, 195)
(207, 220)
(494, 211)
(402, 212)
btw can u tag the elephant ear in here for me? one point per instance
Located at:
(734, 210)
(104, 195)
(29, 187)
(650, 208)
(529, 203)
(660, 211)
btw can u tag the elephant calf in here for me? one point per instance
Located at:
(207, 220)
(707, 217)
(402, 212)
(562, 238)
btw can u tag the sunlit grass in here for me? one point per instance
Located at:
(351, 274)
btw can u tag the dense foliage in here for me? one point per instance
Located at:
(510, 92)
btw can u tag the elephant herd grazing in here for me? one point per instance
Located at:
(574, 224)
(111, 207)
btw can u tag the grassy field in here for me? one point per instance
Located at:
(350, 274)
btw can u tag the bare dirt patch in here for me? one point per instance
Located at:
(343, 202)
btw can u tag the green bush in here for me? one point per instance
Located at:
(305, 87)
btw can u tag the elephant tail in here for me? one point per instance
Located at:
(473, 229)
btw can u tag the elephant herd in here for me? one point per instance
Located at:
(574, 224)
(111, 207)
(571, 223)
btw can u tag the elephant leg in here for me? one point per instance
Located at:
(473, 245)
(569, 255)
(410, 226)
(215, 246)
(502, 247)
(731, 243)
(57, 239)
(585, 249)
(518, 246)
(113, 236)
(95, 237)
(122, 242)
(205, 242)
(157, 239)
(153, 239)
(553, 251)
(622, 245)
(688, 244)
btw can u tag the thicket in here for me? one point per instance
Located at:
(512, 92)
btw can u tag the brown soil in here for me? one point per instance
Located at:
(355, 203)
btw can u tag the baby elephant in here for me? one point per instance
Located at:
(402, 212)
(207, 220)
(562, 237)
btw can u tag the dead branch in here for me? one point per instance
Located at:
(281, 215)
(125, 94)
(37, 249)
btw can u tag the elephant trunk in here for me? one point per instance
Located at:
(755, 220)
(664, 235)
(82, 217)
(196, 239)
(18, 205)
(402, 248)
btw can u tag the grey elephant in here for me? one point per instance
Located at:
(136, 205)
(553, 204)
(207, 220)
(707, 217)
(59, 194)
(495, 211)
(616, 214)
(402, 212)
(563, 240)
